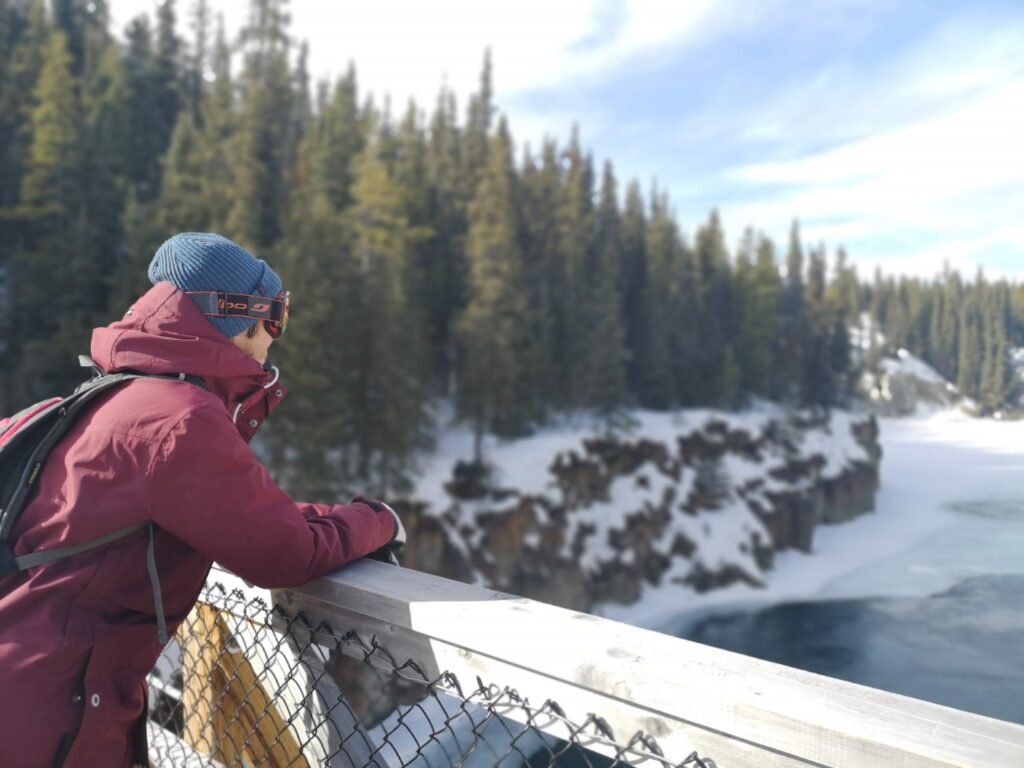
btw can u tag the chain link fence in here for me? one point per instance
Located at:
(247, 684)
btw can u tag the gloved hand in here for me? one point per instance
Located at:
(389, 552)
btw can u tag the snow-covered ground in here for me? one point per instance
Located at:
(524, 463)
(951, 506)
(721, 536)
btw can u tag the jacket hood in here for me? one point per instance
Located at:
(165, 333)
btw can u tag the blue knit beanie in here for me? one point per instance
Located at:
(202, 261)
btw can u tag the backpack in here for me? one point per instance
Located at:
(26, 439)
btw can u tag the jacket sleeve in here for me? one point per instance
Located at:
(205, 486)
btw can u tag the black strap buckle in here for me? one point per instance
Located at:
(8, 563)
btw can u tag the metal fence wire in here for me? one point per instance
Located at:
(247, 684)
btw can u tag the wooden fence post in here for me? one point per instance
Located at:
(228, 713)
(203, 641)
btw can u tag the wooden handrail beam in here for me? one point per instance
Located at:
(740, 711)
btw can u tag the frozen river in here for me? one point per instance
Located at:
(961, 648)
(925, 597)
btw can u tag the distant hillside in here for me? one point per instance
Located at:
(895, 382)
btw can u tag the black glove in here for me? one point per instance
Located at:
(389, 552)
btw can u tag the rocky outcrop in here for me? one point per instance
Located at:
(703, 510)
(902, 385)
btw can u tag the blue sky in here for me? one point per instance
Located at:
(895, 129)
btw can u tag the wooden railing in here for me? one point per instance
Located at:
(737, 711)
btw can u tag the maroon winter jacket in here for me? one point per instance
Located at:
(79, 635)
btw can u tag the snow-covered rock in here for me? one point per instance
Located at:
(701, 499)
(904, 385)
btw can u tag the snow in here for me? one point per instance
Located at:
(860, 335)
(905, 385)
(909, 365)
(523, 464)
(719, 536)
(951, 506)
(836, 444)
(722, 536)
(625, 495)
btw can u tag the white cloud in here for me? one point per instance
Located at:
(844, 100)
(408, 48)
(946, 184)
(949, 176)
(977, 146)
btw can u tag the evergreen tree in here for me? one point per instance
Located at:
(409, 171)
(540, 195)
(340, 137)
(264, 141)
(766, 316)
(389, 407)
(302, 105)
(793, 319)
(478, 128)
(314, 440)
(545, 274)
(659, 365)
(997, 378)
(51, 184)
(85, 26)
(497, 391)
(607, 356)
(102, 135)
(844, 292)
(840, 361)
(197, 69)
(184, 205)
(754, 321)
(445, 251)
(731, 382)
(143, 129)
(714, 306)
(577, 248)
(47, 268)
(219, 128)
(1016, 329)
(167, 72)
(948, 327)
(972, 348)
(933, 338)
(24, 31)
(141, 237)
(818, 386)
(634, 279)
(684, 313)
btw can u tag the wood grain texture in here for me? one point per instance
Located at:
(229, 713)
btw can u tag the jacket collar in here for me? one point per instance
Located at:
(165, 333)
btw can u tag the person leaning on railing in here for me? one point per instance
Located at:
(79, 635)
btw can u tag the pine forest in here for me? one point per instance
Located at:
(430, 258)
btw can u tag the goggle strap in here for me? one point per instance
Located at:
(221, 304)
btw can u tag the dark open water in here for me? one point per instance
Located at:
(963, 648)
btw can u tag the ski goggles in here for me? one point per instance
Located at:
(273, 312)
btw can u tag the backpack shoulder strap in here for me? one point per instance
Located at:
(39, 557)
(49, 555)
(41, 438)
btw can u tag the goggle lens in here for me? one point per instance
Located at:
(277, 328)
